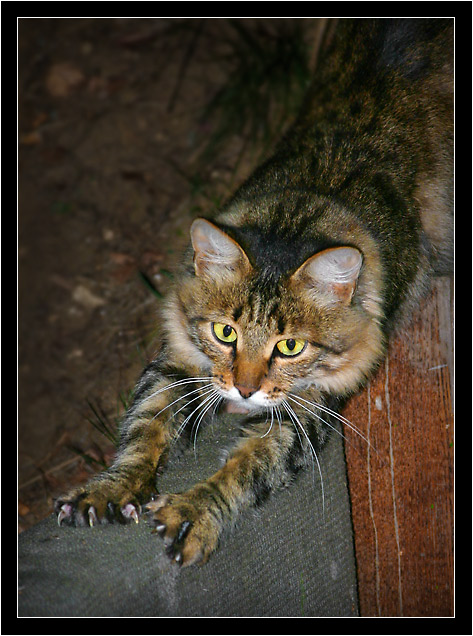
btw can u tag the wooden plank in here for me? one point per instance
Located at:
(401, 484)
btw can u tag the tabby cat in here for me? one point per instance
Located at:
(285, 301)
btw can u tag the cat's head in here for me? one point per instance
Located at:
(262, 336)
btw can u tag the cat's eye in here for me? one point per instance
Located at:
(291, 346)
(224, 333)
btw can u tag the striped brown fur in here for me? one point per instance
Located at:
(286, 298)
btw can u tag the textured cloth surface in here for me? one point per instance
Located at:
(293, 556)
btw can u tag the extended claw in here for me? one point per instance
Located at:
(178, 558)
(160, 529)
(129, 512)
(183, 531)
(64, 513)
(93, 520)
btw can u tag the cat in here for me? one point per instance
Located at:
(286, 298)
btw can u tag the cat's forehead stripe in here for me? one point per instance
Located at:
(237, 312)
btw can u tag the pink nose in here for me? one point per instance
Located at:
(246, 391)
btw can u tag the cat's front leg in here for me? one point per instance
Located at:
(192, 522)
(118, 493)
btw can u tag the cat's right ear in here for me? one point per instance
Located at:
(216, 254)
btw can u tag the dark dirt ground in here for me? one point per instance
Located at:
(110, 177)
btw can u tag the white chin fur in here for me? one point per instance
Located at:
(237, 404)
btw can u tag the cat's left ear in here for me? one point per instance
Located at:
(216, 254)
(334, 272)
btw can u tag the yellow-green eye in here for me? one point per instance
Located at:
(291, 346)
(225, 333)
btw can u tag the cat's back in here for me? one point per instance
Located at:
(414, 61)
(378, 118)
(418, 48)
(370, 52)
(371, 153)
(421, 53)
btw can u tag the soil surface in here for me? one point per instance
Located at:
(111, 138)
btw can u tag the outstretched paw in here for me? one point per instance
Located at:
(96, 504)
(189, 530)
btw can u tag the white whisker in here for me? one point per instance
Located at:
(278, 416)
(216, 405)
(336, 415)
(172, 385)
(292, 398)
(207, 403)
(210, 394)
(295, 420)
(207, 388)
(271, 423)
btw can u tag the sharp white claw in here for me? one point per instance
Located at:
(178, 558)
(129, 512)
(93, 520)
(64, 512)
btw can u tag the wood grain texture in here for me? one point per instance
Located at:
(401, 483)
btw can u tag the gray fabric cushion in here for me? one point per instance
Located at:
(288, 558)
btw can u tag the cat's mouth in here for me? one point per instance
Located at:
(235, 403)
(233, 407)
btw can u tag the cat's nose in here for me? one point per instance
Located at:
(246, 391)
